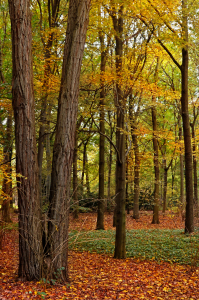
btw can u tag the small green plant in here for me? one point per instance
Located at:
(42, 294)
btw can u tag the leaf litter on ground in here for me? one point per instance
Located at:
(100, 276)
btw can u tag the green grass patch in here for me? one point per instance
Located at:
(160, 245)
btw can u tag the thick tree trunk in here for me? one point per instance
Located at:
(30, 248)
(65, 138)
(189, 224)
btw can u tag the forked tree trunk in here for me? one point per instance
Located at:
(65, 139)
(30, 248)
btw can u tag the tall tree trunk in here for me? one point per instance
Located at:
(65, 138)
(30, 248)
(165, 169)
(7, 178)
(53, 9)
(155, 219)
(75, 180)
(156, 169)
(189, 224)
(101, 203)
(182, 200)
(127, 188)
(87, 177)
(48, 163)
(84, 165)
(120, 217)
(110, 167)
(195, 179)
(136, 193)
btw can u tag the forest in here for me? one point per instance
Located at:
(99, 106)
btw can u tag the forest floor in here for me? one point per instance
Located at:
(99, 276)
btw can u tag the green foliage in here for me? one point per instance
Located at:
(161, 245)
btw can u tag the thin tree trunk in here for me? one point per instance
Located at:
(120, 239)
(7, 179)
(53, 9)
(30, 247)
(195, 179)
(182, 198)
(75, 181)
(136, 193)
(165, 169)
(127, 188)
(110, 167)
(87, 177)
(189, 225)
(65, 138)
(156, 157)
(101, 204)
(156, 169)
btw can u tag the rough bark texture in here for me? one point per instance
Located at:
(65, 138)
(30, 258)
(189, 225)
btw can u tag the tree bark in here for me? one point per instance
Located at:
(30, 248)
(75, 180)
(7, 172)
(182, 198)
(53, 9)
(101, 201)
(120, 216)
(136, 193)
(165, 169)
(195, 177)
(155, 219)
(65, 138)
(189, 225)
(156, 169)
